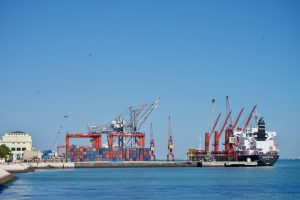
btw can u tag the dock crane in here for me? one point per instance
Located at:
(146, 113)
(152, 146)
(128, 122)
(219, 134)
(249, 118)
(208, 135)
(170, 142)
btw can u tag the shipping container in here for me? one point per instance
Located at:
(85, 153)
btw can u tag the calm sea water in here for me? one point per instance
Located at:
(281, 181)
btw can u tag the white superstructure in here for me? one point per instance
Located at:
(17, 142)
(256, 141)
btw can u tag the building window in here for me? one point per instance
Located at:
(18, 149)
(23, 149)
(13, 149)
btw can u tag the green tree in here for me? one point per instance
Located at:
(4, 151)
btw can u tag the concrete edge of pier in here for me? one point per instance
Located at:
(6, 177)
(129, 164)
(17, 167)
(136, 164)
(51, 165)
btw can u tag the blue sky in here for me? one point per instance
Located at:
(90, 60)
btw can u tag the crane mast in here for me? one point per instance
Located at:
(170, 143)
(228, 109)
(208, 135)
(218, 135)
(152, 146)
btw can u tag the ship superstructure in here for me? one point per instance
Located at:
(256, 143)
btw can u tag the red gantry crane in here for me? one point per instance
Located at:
(95, 139)
(138, 137)
(128, 122)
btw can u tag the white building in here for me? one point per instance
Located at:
(17, 142)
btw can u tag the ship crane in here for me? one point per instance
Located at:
(237, 119)
(231, 154)
(208, 135)
(219, 134)
(152, 146)
(170, 142)
(249, 118)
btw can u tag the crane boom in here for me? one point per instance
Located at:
(228, 108)
(249, 118)
(143, 118)
(214, 127)
(135, 114)
(237, 119)
(223, 127)
(141, 109)
(218, 135)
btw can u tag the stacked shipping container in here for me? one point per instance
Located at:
(48, 154)
(85, 153)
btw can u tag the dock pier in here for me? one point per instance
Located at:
(128, 164)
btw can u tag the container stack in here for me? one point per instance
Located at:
(48, 154)
(85, 153)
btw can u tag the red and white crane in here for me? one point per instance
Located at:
(152, 146)
(170, 142)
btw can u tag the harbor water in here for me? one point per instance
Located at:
(281, 181)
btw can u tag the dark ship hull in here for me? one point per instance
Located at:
(262, 160)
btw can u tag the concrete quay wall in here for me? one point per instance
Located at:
(6, 177)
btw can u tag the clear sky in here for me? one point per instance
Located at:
(90, 60)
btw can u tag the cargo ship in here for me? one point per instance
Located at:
(247, 144)
(257, 144)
